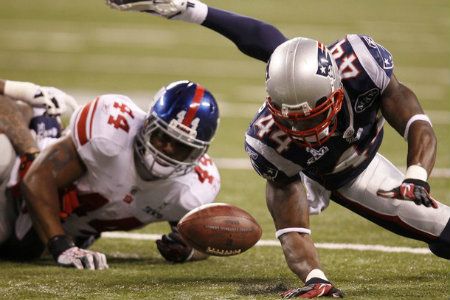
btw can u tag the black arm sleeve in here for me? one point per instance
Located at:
(253, 37)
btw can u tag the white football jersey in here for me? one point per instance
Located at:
(112, 196)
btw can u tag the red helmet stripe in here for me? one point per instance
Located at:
(195, 104)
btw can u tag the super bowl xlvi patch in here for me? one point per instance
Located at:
(365, 100)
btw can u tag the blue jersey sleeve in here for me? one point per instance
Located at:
(267, 169)
(381, 55)
(253, 37)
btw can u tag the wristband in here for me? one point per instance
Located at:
(20, 90)
(418, 117)
(58, 244)
(316, 273)
(196, 12)
(280, 232)
(416, 172)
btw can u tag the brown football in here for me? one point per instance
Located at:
(219, 229)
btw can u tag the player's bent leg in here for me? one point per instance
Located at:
(24, 243)
(402, 217)
(7, 159)
(28, 248)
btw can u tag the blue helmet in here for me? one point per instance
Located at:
(185, 115)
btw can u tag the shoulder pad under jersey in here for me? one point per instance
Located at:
(376, 60)
(108, 123)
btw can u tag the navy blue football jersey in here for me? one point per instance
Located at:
(365, 68)
(45, 126)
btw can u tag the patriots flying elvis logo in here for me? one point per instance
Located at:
(324, 64)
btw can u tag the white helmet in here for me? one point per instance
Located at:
(305, 90)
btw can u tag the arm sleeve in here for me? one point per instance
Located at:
(253, 37)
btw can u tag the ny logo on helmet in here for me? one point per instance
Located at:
(324, 63)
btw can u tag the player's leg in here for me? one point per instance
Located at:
(7, 159)
(23, 243)
(402, 217)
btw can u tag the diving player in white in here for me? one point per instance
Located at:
(318, 133)
(120, 169)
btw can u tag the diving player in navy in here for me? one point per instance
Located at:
(318, 133)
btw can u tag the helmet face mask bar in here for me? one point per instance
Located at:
(177, 131)
(309, 127)
(187, 151)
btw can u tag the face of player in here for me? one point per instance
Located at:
(170, 146)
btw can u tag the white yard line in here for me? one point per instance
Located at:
(275, 243)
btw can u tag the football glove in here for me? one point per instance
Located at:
(315, 287)
(173, 248)
(53, 100)
(66, 254)
(165, 8)
(415, 190)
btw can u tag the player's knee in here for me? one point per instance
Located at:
(7, 157)
(440, 249)
(28, 248)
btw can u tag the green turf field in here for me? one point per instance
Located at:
(87, 49)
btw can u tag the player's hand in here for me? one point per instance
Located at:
(173, 248)
(82, 259)
(411, 189)
(66, 254)
(165, 8)
(315, 287)
(55, 101)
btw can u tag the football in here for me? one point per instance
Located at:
(219, 229)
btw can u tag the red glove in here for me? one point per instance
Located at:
(315, 287)
(411, 189)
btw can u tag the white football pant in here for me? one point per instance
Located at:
(7, 160)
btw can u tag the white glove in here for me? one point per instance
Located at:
(56, 101)
(192, 11)
(164, 8)
(82, 259)
(53, 100)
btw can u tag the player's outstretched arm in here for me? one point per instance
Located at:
(253, 37)
(56, 168)
(401, 108)
(288, 206)
(14, 121)
(53, 100)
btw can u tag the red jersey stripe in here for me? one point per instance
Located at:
(199, 92)
(81, 125)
